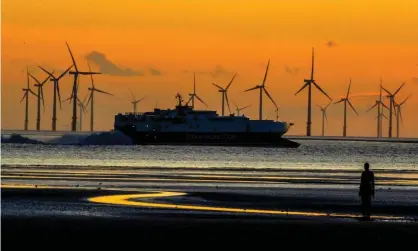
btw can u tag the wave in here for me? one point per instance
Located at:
(103, 138)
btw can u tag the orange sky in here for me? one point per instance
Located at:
(368, 39)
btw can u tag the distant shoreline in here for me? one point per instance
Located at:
(290, 137)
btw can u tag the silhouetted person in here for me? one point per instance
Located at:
(366, 190)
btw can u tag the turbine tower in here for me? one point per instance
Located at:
(324, 117)
(399, 113)
(134, 101)
(83, 109)
(239, 109)
(346, 100)
(56, 90)
(391, 105)
(308, 83)
(40, 96)
(225, 95)
(93, 89)
(379, 104)
(27, 90)
(74, 91)
(262, 88)
(194, 95)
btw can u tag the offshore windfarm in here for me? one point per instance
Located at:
(387, 106)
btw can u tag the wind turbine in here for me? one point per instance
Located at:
(225, 95)
(324, 116)
(134, 101)
(40, 96)
(194, 95)
(83, 109)
(56, 90)
(346, 100)
(308, 83)
(391, 105)
(399, 113)
(238, 109)
(74, 91)
(27, 90)
(262, 88)
(93, 89)
(380, 114)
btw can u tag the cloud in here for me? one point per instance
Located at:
(107, 67)
(291, 70)
(155, 72)
(216, 72)
(331, 43)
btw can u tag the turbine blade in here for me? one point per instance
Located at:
(312, 69)
(43, 82)
(252, 89)
(348, 91)
(268, 95)
(341, 100)
(47, 72)
(385, 106)
(399, 89)
(91, 75)
(352, 106)
(36, 95)
(27, 76)
(37, 81)
(265, 75)
(24, 96)
(218, 86)
(387, 91)
(201, 100)
(227, 102)
(326, 117)
(88, 73)
(320, 89)
(372, 107)
(403, 102)
(42, 95)
(72, 57)
(59, 95)
(65, 72)
(230, 82)
(88, 101)
(303, 87)
(245, 107)
(103, 92)
(400, 114)
(320, 107)
(132, 95)
(84, 100)
(383, 115)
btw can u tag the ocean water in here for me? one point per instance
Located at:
(311, 155)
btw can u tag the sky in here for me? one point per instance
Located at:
(154, 47)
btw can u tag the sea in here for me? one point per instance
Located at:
(341, 162)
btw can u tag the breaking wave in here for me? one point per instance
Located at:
(103, 138)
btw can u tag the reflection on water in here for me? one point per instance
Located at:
(326, 155)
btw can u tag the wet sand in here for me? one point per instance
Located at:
(74, 207)
(43, 216)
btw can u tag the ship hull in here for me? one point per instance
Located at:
(250, 139)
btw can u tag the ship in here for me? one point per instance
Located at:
(185, 125)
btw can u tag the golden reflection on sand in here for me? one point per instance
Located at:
(128, 200)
